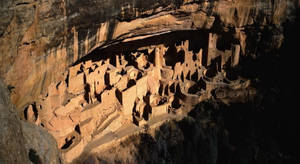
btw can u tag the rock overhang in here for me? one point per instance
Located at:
(47, 37)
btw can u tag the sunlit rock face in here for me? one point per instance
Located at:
(105, 98)
(97, 74)
(40, 39)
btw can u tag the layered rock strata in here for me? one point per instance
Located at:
(40, 39)
(91, 73)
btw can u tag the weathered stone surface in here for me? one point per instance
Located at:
(74, 104)
(76, 84)
(122, 84)
(113, 76)
(168, 84)
(142, 87)
(159, 110)
(128, 99)
(39, 39)
(40, 141)
(127, 51)
(30, 115)
(22, 142)
(12, 145)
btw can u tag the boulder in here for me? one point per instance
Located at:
(23, 142)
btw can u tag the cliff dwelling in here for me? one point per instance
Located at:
(132, 81)
(121, 89)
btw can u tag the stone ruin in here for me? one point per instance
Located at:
(102, 96)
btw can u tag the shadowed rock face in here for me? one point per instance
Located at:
(93, 73)
(107, 97)
(10, 132)
(40, 39)
(22, 142)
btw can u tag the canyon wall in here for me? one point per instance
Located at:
(39, 39)
(20, 141)
(123, 76)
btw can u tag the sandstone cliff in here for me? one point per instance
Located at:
(134, 77)
(40, 39)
